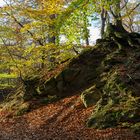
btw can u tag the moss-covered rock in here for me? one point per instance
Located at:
(49, 99)
(90, 96)
(116, 106)
(23, 108)
(31, 81)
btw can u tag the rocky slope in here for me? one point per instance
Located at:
(107, 76)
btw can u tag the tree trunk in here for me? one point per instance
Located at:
(117, 17)
(103, 20)
(52, 38)
(86, 31)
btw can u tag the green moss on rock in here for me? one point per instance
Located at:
(116, 106)
(23, 108)
(90, 96)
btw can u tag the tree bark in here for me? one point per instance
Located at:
(52, 38)
(103, 20)
(86, 34)
(116, 13)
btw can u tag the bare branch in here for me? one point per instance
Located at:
(13, 59)
(126, 2)
(134, 8)
(22, 26)
(112, 12)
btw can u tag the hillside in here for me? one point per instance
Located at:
(106, 82)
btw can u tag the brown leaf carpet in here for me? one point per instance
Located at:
(62, 120)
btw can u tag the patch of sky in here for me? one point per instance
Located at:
(1, 3)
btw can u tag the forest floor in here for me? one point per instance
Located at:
(61, 120)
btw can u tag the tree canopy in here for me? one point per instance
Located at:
(43, 33)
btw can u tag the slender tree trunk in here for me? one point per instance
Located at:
(86, 31)
(52, 38)
(103, 21)
(117, 16)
